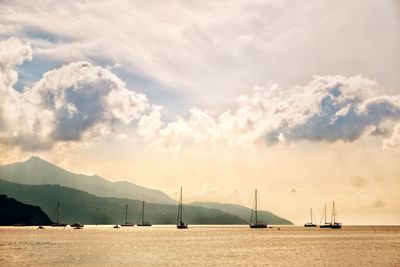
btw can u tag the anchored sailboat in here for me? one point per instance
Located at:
(311, 223)
(58, 224)
(143, 223)
(256, 224)
(179, 222)
(333, 224)
(126, 217)
(326, 224)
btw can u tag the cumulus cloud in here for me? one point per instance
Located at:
(75, 103)
(329, 108)
(377, 203)
(219, 47)
(394, 141)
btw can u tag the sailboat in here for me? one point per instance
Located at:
(326, 224)
(333, 224)
(143, 223)
(256, 224)
(179, 222)
(126, 217)
(58, 224)
(311, 223)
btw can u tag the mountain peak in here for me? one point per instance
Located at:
(35, 158)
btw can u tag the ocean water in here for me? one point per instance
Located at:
(200, 246)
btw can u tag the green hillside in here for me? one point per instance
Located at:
(36, 171)
(79, 206)
(243, 212)
(13, 212)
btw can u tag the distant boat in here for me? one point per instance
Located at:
(256, 224)
(58, 224)
(143, 223)
(77, 225)
(311, 223)
(126, 217)
(179, 222)
(40, 227)
(333, 224)
(116, 226)
(326, 224)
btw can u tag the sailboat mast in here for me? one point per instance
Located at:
(256, 205)
(58, 212)
(311, 216)
(143, 212)
(325, 214)
(126, 213)
(333, 213)
(181, 207)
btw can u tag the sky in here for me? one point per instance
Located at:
(300, 100)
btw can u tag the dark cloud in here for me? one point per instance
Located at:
(293, 190)
(378, 203)
(359, 182)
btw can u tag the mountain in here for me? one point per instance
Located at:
(243, 212)
(36, 171)
(13, 212)
(79, 206)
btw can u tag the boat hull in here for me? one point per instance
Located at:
(182, 225)
(144, 224)
(332, 226)
(310, 225)
(258, 225)
(325, 226)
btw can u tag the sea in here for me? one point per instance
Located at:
(200, 245)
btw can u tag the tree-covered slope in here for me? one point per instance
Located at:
(79, 206)
(13, 212)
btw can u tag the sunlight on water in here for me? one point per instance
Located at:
(200, 246)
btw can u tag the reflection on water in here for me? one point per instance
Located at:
(200, 246)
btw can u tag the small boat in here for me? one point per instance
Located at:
(256, 224)
(326, 224)
(40, 227)
(77, 225)
(142, 222)
(58, 224)
(116, 226)
(179, 222)
(333, 224)
(126, 218)
(311, 223)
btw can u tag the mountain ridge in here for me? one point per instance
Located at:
(243, 212)
(87, 208)
(36, 171)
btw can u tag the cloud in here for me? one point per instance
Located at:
(393, 142)
(377, 203)
(215, 50)
(328, 108)
(80, 101)
(12, 53)
(359, 182)
(74, 103)
(292, 190)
